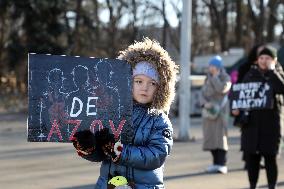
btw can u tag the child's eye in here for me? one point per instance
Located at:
(153, 83)
(138, 81)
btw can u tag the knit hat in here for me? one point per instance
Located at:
(270, 51)
(145, 68)
(216, 61)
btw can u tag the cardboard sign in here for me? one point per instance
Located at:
(68, 94)
(251, 95)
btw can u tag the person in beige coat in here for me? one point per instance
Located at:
(214, 101)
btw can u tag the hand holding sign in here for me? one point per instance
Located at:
(236, 112)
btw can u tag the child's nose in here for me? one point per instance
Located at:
(145, 87)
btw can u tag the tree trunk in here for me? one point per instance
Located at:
(111, 29)
(97, 21)
(134, 28)
(223, 29)
(239, 24)
(257, 22)
(272, 20)
(219, 22)
(165, 25)
(76, 43)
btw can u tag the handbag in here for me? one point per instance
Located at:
(214, 111)
(211, 113)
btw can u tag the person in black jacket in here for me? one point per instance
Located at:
(251, 60)
(262, 135)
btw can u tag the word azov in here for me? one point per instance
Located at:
(55, 128)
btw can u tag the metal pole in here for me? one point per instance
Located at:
(184, 87)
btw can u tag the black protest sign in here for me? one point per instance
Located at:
(251, 95)
(68, 94)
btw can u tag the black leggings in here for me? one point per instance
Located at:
(253, 167)
(219, 157)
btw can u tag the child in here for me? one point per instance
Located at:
(141, 160)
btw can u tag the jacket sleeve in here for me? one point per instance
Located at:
(277, 79)
(153, 154)
(221, 84)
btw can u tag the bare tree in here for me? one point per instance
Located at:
(3, 32)
(218, 15)
(257, 19)
(75, 37)
(175, 33)
(239, 22)
(272, 19)
(162, 12)
(165, 24)
(96, 20)
(115, 14)
(134, 21)
(73, 15)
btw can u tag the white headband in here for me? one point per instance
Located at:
(146, 68)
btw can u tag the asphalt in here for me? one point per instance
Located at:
(25, 165)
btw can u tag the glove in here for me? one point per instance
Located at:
(84, 142)
(107, 142)
(113, 150)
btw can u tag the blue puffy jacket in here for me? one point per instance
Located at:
(143, 160)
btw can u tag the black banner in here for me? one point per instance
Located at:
(68, 94)
(251, 95)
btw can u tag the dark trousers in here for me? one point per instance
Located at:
(253, 167)
(219, 157)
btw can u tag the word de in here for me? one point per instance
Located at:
(78, 101)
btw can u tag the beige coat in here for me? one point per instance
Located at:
(215, 131)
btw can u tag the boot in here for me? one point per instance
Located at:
(252, 186)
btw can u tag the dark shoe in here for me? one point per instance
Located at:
(252, 186)
(271, 186)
